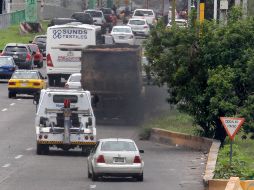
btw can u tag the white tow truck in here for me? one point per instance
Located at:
(65, 119)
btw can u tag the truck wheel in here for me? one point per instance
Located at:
(39, 149)
(85, 151)
(10, 94)
(140, 177)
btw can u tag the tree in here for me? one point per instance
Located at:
(208, 70)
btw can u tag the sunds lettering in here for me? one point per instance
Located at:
(70, 33)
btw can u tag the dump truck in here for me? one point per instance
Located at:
(113, 75)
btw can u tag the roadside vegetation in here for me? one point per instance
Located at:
(208, 69)
(12, 35)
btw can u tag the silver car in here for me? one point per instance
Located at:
(74, 81)
(115, 157)
(123, 34)
(139, 26)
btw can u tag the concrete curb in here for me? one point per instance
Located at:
(206, 145)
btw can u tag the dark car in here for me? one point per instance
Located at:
(61, 21)
(21, 54)
(84, 18)
(40, 41)
(7, 67)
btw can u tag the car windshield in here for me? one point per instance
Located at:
(137, 22)
(25, 75)
(143, 13)
(75, 78)
(6, 61)
(118, 146)
(94, 13)
(15, 49)
(41, 39)
(121, 30)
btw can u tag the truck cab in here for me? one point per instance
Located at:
(65, 126)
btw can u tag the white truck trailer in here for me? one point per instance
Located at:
(65, 119)
(63, 49)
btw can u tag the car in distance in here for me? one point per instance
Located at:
(147, 14)
(139, 26)
(98, 18)
(25, 82)
(74, 81)
(40, 41)
(21, 54)
(37, 55)
(84, 18)
(181, 23)
(115, 157)
(7, 67)
(123, 34)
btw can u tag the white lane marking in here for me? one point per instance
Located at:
(92, 186)
(5, 109)
(18, 157)
(12, 104)
(6, 165)
(30, 148)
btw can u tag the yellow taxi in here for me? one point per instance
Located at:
(25, 82)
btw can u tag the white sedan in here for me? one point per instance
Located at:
(115, 157)
(139, 26)
(123, 34)
(74, 81)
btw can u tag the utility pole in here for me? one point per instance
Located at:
(215, 8)
(162, 8)
(245, 8)
(173, 12)
(223, 11)
(237, 2)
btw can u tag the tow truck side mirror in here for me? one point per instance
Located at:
(36, 98)
(90, 121)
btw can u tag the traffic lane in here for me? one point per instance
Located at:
(164, 166)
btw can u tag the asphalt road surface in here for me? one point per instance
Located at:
(166, 167)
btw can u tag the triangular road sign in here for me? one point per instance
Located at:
(232, 125)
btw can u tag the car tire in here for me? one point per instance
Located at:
(10, 94)
(39, 149)
(94, 176)
(140, 177)
(89, 175)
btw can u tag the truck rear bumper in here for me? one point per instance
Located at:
(61, 142)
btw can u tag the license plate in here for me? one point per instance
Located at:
(15, 56)
(119, 160)
(23, 84)
(121, 37)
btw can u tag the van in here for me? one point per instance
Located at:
(64, 45)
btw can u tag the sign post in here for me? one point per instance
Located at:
(31, 11)
(232, 126)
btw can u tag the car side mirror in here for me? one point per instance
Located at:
(141, 151)
(89, 122)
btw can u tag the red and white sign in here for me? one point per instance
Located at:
(232, 125)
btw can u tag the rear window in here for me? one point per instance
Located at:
(137, 22)
(118, 146)
(75, 78)
(40, 39)
(25, 75)
(15, 49)
(61, 98)
(124, 30)
(4, 61)
(143, 13)
(33, 48)
(94, 13)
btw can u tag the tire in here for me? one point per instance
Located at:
(85, 151)
(39, 149)
(140, 177)
(94, 176)
(10, 94)
(89, 175)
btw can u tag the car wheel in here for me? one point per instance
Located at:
(10, 94)
(89, 175)
(39, 149)
(94, 176)
(140, 177)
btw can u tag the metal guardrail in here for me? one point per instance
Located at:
(8, 19)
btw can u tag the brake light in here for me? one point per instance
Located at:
(137, 159)
(12, 83)
(36, 84)
(100, 159)
(49, 61)
(28, 57)
(145, 26)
